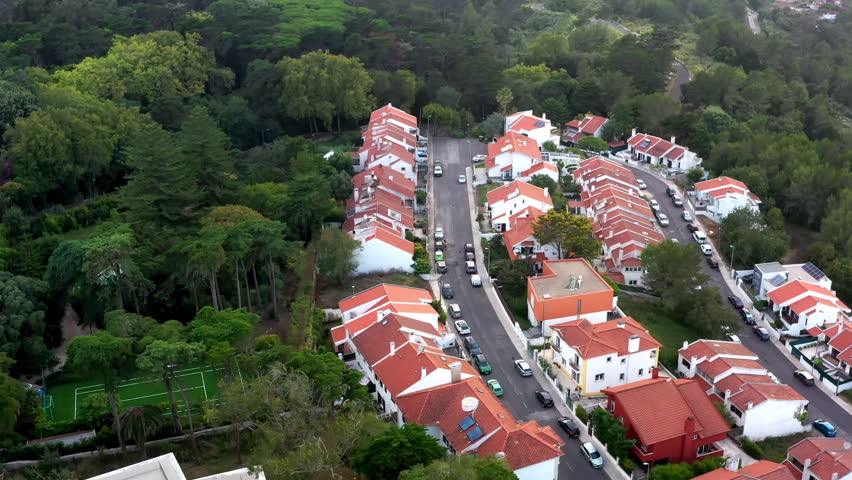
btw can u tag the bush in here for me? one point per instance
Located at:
(778, 325)
(420, 195)
(729, 417)
(582, 414)
(627, 465)
(752, 449)
(760, 305)
(442, 315)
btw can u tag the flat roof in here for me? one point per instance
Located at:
(557, 285)
(771, 267)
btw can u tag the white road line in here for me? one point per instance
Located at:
(155, 395)
(204, 386)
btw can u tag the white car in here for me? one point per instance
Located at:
(475, 280)
(655, 205)
(478, 158)
(686, 216)
(462, 327)
(439, 234)
(642, 185)
(462, 179)
(663, 219)
(438, 171)
(706, 250)
(733, 338)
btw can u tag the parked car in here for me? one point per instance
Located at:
(825, 427)
(469, 257)
(663, 219)
(748, 318)
(523, 367)
(735, 301)
(477, 158)
(482, 364)
(439, 171)
(447, 291)
(686, 216)
(655, 205)
(713, 263)
(804, 377)
(671, 192)
(462, 179)
(441, 266)
(469, 267)
(569, 426)
(761, 333)
(544, 397)
(421, 152)
(462, 327)
(733, 338)
(706, 249)
(475, 280)
(592, 455)
(495, 387)
(455, 310)
(472, 346)
(677, 201)
(439, 256)
(439, 234)
(642, 185)
(692, 227)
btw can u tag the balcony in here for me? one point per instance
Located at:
(709, 450)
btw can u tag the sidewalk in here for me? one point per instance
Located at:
(610, 467)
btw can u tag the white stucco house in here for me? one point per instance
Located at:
(511, 155)
(603, 355)
(382, 249)
(529, 125)
(801, 305)
(730, 371)
(656, 151)
(589, 125)
(520, 241)
(166, 467)
(513, 197)
(769, 276)
(718, 197)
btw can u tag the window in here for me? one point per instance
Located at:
(654, 354)
(633, 282)
(623, 360)
(621, 376)
(695, 437)
(736, 411)
(641, 371)
(608, 359)
(612, 406)
(705, 449)
(394, 215)
(599, 377)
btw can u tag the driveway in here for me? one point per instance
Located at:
(821, 406)
(450, 207)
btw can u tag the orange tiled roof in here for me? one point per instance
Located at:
(721, 365)
(757, 393)
(596, 340)
(389, 109)
(790, 290)
(387, 293)
(502, 193)
(712, 348)
(762, 470)
(827, 455)
(514, 142)
(721, 183)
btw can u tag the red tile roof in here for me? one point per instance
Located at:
(513, 142)
(596, 340)
(827, 455)
(538, 169)
(658, 408)
(406, 366)
(526, 123)
(338, 335)
(721, 365)
(518, 187)
(523, 444)
(385, 177)
(521, 227)
(762, 470)
(757, 393)
(660, 148)
(384, 293)
(391, 240)
(389, 109)
(790, 290)
(711, 348)
(735, 381)
(591, 123)
(721, 183)
(374, 341)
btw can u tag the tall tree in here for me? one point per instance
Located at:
(752, 239)
(205, 148)
(461, 467)
(12, 397)
(673, 270)
(15, 102)
(336, 261)
(103, 356)
(111, 265)
(140, 423)
(22, 325)
(571, 234)
(396, 450)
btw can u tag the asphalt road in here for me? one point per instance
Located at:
(820, 405)
(451, 210)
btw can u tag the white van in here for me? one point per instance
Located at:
(699, 237)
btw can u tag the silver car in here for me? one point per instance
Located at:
(462, 327)
(591, 453)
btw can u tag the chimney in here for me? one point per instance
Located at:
(689, 424)
(673, 139)
(543, 116)
(546, 193)
(633, 132)
(422, 373)
(392, 348)
(633, 343)
(655, 372)
(455, 372)
(749, 405)
(834, 476)
(727, 395)
(355, 193)
(621, 323)
(693, 366)
(685, 344)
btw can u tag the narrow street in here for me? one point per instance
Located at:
(451, 212)
(821, 406)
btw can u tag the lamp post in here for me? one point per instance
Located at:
(488, 265)
(733, 271)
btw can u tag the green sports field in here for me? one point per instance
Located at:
(63, 399)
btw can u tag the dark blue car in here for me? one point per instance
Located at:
(825, 427)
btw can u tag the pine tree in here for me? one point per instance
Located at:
(205, 149)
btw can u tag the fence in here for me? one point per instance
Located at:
(817, 368)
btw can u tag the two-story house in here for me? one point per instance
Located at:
(718, 197)
(670, 420)
(511, 155)
(603, 355)
(760, 470)
(590, 125)
(802, 305)
(512, 198)
(537, 128)
(820, 459)
(733, 375)
(656, 151)
(520, 241)
(568, 290)
(769, 276)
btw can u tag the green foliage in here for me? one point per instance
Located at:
(594, 144)
(336, 260)
(493, 125)
(685, 471)
(397, 88)
(582, 414)
(22, 325)
(12, 397)
(626, 464)
(673, 270)
(396, 450)
(752, 239)
(331, 379)
(123, 324)
(461, 467)
(439, 307)
(15, 102)
(442, 117)
(729, 417)
(570, 234)
(93, 410)
(751, 449)
(611, 433)
(231, 326)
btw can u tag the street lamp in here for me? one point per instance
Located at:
(733, 271)
(488, 265)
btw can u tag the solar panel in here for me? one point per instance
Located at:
(466, 423)
(644, 143)
(777, 280)
(474, 434)
(813, 271)
(539, 124)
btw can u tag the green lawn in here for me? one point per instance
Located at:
(482, 191)
(662, 326)
(199, 382)
(775, 449)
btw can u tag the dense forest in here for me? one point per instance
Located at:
(159, 157)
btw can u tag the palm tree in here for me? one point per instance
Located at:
(140, 423)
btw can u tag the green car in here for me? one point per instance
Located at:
(495, 387)
(482, 364)
(439, 256)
